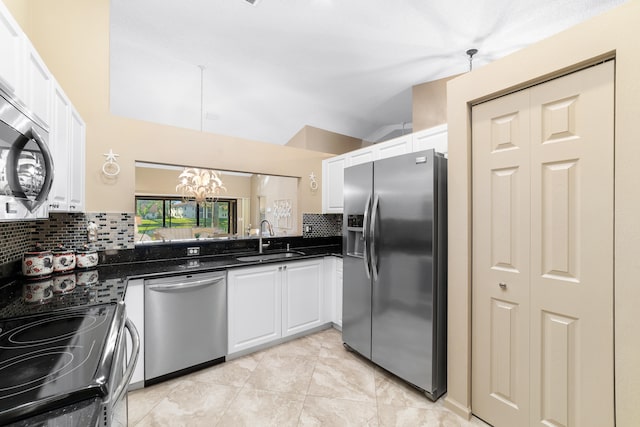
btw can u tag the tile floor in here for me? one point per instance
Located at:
(311, 381)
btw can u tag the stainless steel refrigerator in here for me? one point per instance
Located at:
(395, 261)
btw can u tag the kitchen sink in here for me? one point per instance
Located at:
(270, 256)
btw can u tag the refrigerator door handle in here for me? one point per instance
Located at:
(372, 226)
(365, 237)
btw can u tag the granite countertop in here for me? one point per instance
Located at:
(167, 267)
(107, 283)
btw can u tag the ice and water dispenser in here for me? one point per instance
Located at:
(355, 235)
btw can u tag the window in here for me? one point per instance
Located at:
(212, 218)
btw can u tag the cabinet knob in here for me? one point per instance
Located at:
(502, 285)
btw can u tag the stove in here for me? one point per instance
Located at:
(53, 359)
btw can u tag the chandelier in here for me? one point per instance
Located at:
(199, 184)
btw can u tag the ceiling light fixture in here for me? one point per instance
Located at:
(199, 184)
(252, 2)
(471, 52)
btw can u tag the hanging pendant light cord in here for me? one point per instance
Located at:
(471, 52)
(201, 97)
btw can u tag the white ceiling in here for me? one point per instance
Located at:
(342, 65)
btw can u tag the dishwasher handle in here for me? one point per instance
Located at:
(135, 351)
(185, 285)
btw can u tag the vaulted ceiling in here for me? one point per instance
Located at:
(264, 71)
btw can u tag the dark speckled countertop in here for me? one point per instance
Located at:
(169, 267)
(108, 282)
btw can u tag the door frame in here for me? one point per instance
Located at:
(571, 50)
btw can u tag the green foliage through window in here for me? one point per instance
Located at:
(154, 213)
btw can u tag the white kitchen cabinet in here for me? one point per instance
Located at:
(360, 156)
(269, 302)
(393, 147)
(38, 86)
(134, 301)
(78, 132)
(302, 296)
(333, 184)
(67, 142)
(11, 51)
(254, 306)
(333, 289)
(435, 137)
(59, 143)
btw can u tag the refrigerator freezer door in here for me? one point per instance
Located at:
(403, 290)
(356, 303)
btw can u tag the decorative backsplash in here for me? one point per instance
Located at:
(326, 225)
(16, 238)
(70, 229)
(116, 231)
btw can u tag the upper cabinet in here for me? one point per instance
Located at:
(393, 147)
(76, 172)
(333, 184)
(333, 168)
(38, 86)
(59, 141)
(67, 141)
(11, 46)
(25, 76)
(435, 137)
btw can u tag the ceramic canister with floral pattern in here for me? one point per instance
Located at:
(37, 263)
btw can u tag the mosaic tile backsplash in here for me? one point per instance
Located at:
(326, 225)
(15, 239)
(116, 231)
(70, 229)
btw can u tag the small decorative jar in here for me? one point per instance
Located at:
(37, 263)
(63, 259)
(86, 257)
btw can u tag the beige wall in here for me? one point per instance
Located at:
(20, 11)
(312, 138)
(614, 33)
(430, 104)
(72, 36)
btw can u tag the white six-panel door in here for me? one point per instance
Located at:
(542, 351)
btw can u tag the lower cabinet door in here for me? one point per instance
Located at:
(302, 291)
(254, 306)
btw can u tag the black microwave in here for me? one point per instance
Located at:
(26, 164)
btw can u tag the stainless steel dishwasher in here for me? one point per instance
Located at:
(185, 320)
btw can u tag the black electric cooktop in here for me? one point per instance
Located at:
(52, 359)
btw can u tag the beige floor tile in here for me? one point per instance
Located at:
(263, 408)
(328, 412)
(192, 404)
(311, 381)
(234, 373)
(283, 374)
(308, 346)
(142, 401)
(332, 344)
(391, 390)
(397, 416)
(343, 378)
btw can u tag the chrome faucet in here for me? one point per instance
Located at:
(269, 228)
